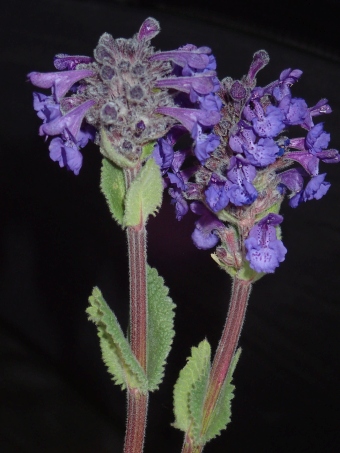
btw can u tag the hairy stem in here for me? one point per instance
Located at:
(226, 348)
(137, 402)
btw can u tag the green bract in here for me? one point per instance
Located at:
(144, 196)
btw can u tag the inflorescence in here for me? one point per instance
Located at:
(237, 168)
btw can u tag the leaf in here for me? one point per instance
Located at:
(222, 413)
(116, 350)
(107, 149)
(112, 185)
(144, 195)
(160, 327)
(147, 150)
(189, 391)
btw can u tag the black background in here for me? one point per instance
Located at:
(58, 241)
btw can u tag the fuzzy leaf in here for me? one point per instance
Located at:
(112, 185)
(160, 327)
(107, 149)
(144, 196)
(116, 350)
(222, 412)
(190, 387)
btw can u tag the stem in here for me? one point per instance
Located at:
(136, 422)
(137, 402)
(138, 289)
(226, 348)
(189, 447)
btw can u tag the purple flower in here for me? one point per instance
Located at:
(309, 162)
(66, 152)
(241, 174)
(205, 144)
(260, 60)
(267, 123)
(45, 106)
(201, 84)
(204, 236)
(316, 188)
(188, 56)
(71, 121)
(317, 139)
(181, 205)
(281, 88)
(189, 117)
(295, 110)
(292, 179)
(320, 108)
(60, 82)
(264, 251)
(163, 154)
(211, 103)
(260, 154)
(216, 194)
(149, 29)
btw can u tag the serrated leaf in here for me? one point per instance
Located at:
(144, 196)
(112, 185)
(189, 390)
(116, 350)
(222, 413)
(160, 327)
(196, 403)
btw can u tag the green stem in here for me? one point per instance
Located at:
(137, 402)
(226, 348)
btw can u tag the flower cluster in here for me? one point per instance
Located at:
(240, 182)
(124, 96)
(199, 112)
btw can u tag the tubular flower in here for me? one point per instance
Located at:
(264, 251)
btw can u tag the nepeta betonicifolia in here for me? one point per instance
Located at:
(136, 103)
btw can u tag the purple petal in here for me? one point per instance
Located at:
(149, 29)
(195, 58)
(309, 162)
(292, 179)
(67, 154)
(163, 154)
(205, 144)
(264, 250)
(188, 117)
(60, 81)
(71, 121)
(260, 60)
(202, 84)
(317, 139)
(216, 195)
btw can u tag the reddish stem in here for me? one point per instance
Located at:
(137, 402)
(226, 348)
(136, 422)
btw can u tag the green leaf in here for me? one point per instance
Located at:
(116, 350)
(107, 149)
(222, 413)
(144, 196)
(147, 150)
(189, 391)
(112, 185)
(160, 327)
